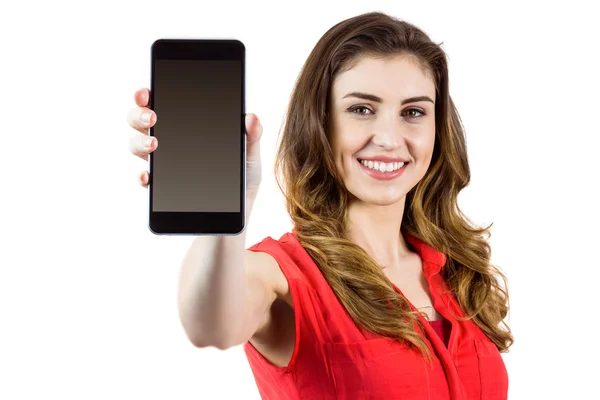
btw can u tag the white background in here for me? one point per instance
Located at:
(88, 294)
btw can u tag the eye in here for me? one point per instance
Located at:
(416, 110)
(360, 110)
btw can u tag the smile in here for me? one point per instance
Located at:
(381, 170)
(381, 166)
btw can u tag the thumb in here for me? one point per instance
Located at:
(253, 134)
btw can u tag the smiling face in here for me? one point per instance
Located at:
(382, 127)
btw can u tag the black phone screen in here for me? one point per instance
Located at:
(197, 94)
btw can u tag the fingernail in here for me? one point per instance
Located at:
(145, 117)
(147, 143)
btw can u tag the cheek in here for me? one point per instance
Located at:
(351, 146)
(423, 146)
(345, 145)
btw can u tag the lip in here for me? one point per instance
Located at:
(382, 176)
(385, 159)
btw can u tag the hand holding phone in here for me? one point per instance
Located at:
(142, 145)
(197, 174)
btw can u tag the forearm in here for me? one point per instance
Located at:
(213, 286)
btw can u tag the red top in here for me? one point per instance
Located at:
(334, 358)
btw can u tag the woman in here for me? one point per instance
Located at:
(383, 289)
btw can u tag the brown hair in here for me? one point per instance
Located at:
(317, 199)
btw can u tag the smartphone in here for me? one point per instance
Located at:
(197, 180)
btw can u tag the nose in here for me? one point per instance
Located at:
(388, 132)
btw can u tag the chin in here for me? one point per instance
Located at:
(383, 200)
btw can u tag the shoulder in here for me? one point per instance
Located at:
(292, 259)
(286, 252)
(268, 262)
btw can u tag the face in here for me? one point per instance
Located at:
(382, 127)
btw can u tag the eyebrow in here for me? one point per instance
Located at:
(372, 97)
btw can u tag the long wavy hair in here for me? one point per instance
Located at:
(317, 200)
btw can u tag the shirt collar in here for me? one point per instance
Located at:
(434, 259)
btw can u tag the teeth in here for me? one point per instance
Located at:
(382, 167)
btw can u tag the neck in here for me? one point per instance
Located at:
(377, 230)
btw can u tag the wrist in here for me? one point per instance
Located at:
(250, 198)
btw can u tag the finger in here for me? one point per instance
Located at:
(253, 128)
(144, 178)
(141, 119)
(141, 146)
(142, 97)
(253, 134)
